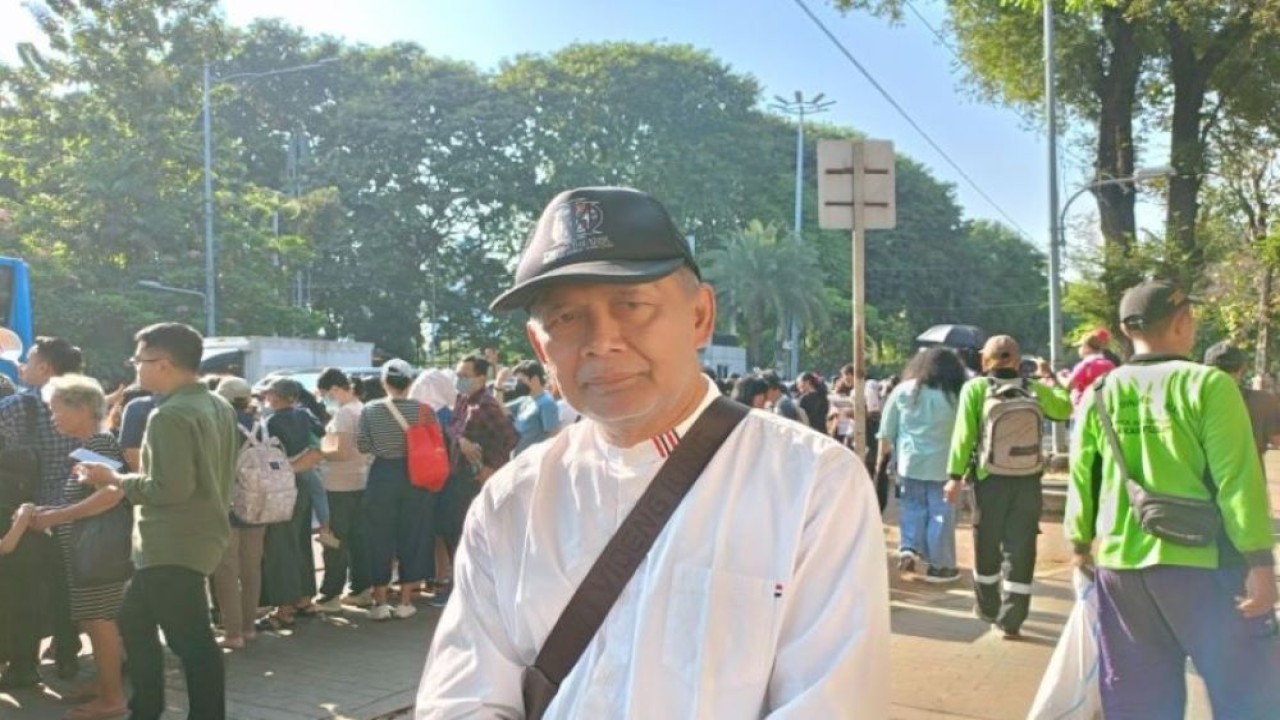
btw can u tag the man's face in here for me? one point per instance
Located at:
(35, 371)
(491, 355)
(468, 379)
(624, 354)
(150, 365)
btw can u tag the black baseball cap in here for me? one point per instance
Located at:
(1225, 357)
(1149, 303)
(602, 235)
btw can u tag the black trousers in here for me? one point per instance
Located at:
(171, 598)
(288, 564)
(869, 460)
(1004, 533)
(24, 603)
(346, 520)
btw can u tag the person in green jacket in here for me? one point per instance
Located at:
(999, 436)
(181, 497)
(1183, 430)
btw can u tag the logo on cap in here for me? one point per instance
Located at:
(576, 229)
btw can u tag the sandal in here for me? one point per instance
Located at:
(307, 611)
(274, 623)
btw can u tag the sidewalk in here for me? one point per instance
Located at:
(946, 663)
(335, 667)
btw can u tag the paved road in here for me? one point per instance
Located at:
(946, 663)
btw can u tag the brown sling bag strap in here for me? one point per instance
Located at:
(606, 579)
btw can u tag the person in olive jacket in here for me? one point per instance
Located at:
(180, 496)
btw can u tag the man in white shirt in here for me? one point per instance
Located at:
(766, 593)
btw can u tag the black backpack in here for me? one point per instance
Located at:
(20, 465)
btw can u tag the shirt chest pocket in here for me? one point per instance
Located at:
(720, 626)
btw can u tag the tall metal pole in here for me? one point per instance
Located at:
(798, 106)
(859, 298)
(1055, 246)
(793, 335)
(210, 266)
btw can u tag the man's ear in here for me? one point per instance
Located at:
(531, 331)
(704, 315)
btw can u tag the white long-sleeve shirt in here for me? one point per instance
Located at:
(765, 595)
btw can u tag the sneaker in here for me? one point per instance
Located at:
(907, 561)
(941, 575)
(329, 604)
(361, 599)
(440, 599)
(405, 611)
(380, 612)
(328, 539)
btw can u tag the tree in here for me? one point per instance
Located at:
(667, 119)
(759, 278)
(101, 149)
(1121, 63)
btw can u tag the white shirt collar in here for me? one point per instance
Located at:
(657, 448)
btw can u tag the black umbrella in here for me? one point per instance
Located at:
(953, 336)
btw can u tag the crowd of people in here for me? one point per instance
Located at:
(126, 514)
(170, 449)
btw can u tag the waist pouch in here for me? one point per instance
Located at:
(1185, 521)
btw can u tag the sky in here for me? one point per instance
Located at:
(773, 40)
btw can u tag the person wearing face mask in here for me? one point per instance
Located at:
(535, 414)
(345, 477)
(482, 430)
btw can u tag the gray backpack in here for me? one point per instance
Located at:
(1012, 430)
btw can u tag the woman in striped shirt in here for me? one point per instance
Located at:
(78, 408)
(398, 516)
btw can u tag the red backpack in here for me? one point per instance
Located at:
(426, 453)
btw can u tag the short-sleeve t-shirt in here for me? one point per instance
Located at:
(535, 419)
(133, 422)
(346, 475)
(294, 428)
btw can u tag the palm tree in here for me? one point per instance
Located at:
(761, 279)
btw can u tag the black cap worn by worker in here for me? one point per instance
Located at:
(1147, 304)
(598, 235)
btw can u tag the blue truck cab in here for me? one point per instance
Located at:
(15, 311)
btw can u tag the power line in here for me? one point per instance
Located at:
(907, 116)
(946, 42)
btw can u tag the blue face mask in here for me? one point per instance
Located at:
(464, 385)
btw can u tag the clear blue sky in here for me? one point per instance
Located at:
(770, 39)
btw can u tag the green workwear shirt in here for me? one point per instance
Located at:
(1174, 418)
(967, 433)
(183, 493)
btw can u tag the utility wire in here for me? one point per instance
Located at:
(946, 42)
(907, 116)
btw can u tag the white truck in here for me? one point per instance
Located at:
(252, 357)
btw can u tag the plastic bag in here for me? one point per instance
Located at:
(1070, 686)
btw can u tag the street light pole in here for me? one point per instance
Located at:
(1055, 252)
(210, 260)
(799, 107)
(210, 270)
